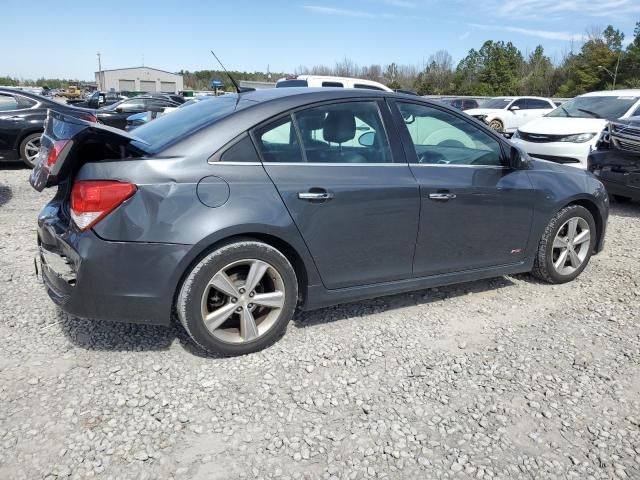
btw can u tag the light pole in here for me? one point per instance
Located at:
(99, 73)
(614, 74)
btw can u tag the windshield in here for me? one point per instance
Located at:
(167, 129)
(608, 107)
(497, 103)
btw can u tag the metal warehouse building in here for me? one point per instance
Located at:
(139, 79)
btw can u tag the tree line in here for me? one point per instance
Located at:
(496, 68)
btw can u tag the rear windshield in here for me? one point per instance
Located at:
(292, 83)
(171, 127)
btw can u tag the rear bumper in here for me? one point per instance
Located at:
(572, 154)
(116, 281)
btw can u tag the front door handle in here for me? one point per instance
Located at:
(442, 196)
(315, 196)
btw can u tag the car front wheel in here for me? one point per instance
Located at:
(566, 245)
(239, 298)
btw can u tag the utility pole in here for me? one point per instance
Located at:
(99, 73)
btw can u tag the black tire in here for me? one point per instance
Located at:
(23, 148)
(543, 265)
(188, 303)
(621, 198)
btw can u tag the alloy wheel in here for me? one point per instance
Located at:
(571, 246)
(496, 125)
(242, 301)
(31, 149)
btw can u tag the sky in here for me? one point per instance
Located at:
(250, 35)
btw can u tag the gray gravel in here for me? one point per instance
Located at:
(506, 378)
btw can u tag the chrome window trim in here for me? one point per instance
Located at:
(500, 167)
(338, 164)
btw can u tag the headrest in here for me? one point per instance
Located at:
(311, 120)
(339, 126)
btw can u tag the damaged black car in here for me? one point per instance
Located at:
(616, 162)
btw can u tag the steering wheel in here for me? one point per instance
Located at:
(432, 158)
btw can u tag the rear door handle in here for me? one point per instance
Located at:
(315, 195)
(442, 196)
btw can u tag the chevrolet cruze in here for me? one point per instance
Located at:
(234, 212)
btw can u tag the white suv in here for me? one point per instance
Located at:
(326, 81)
(506, 114)
(571, 131)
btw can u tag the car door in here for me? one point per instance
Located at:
(475, 212)
(348, 188)
(517, 116)
(13, 121)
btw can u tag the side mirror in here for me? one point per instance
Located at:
(367, 139)
(517, 159)
(514, 108)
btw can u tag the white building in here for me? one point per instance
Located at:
(139, 79)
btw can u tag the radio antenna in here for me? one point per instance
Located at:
(238, 88)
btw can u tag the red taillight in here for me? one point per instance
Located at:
(54, 153)
(92, 200)
(88, 117)
(291, 77)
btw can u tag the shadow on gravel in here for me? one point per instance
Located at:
(120, 337)
(627, 210)
(12, 165)
(402, 300)
(6, 194)
(100, 335)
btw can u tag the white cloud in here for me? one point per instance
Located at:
(544, 8)
(337, 11)
(546, 34)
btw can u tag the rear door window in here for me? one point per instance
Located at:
(350, 132)
(521, 103)
(278, 141)
(537, 104)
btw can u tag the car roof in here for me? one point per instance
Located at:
(628, 92)
(306, 94)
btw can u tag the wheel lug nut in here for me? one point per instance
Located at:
(250, 305)
(242, 290)
(239, 309)
(234, 299)
(251, 294)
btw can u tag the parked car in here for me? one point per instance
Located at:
(98, 100)
(138, 119)
(328, 81)
(237, 210)
(461, 103)
(569, 133)
(506, 114)
(617, 161)
(116, 115)
(22, 116)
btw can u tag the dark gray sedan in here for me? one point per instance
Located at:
(235, 211)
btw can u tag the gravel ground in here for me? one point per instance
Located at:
(506, 378)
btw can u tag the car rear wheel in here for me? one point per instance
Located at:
(29, 148)
(566, 245)
(496, 125)
(239, 298)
